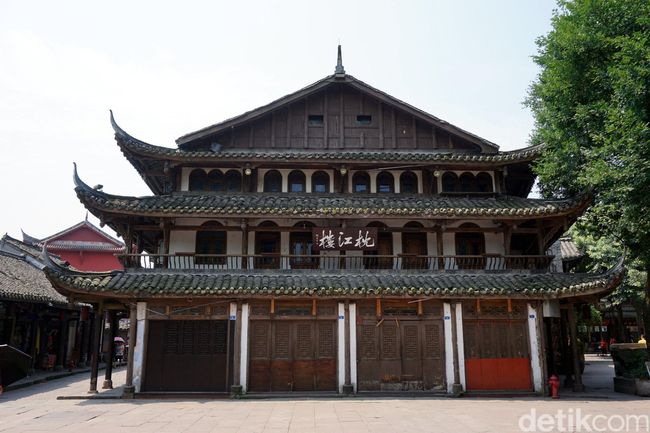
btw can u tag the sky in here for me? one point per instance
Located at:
(169, 68)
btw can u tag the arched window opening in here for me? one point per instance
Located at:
(470, 242)
(273, 181)
(301, 247)
(233, 181)
(215, 181)
(408, 183)
(374, 259)
(267, 247)
(198, 179)
(320, 182)
(449, 182)
(297, 181)
(414, 246)
(385, 182)
(361, 182)
(467, 182)
(211, 244)
(484, 182)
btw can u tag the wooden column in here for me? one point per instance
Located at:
(129, 389)
(94, 360)
(244, 244)
(236, 387)
(61, 352)
(347, 386)
(166, 234)
(109, 346)
(33, 337)
(577, 375)
(456, 386)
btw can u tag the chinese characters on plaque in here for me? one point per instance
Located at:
(349, 238)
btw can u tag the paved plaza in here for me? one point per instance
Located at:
(36, 409)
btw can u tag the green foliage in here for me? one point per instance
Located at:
(601, 252)
(591, 103)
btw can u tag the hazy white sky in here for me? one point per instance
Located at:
(168, 68)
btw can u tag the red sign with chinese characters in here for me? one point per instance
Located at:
(346, 239)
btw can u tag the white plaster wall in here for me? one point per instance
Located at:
(535, 339)
(243, 365)
(449, 348)
(138, 354)
(353, 345)
(460, 344)
(340, 364)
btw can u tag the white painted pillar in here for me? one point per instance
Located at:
(460, 344)
(138, 355)
(449, 348)
(285, 181)
(340, 364)
(243, 363)
(534, 338)
(353, 345)
(373, 181)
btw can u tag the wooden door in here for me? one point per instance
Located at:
(497, 353)
(293, 355)
(400, 355)
(414, 245)
(187, 356)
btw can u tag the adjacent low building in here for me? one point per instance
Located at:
(336, 239)
(34, 317)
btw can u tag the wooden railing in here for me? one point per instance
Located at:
(334, 262)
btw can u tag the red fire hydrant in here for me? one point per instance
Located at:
(554, 383)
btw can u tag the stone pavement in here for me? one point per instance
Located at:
(36, 409)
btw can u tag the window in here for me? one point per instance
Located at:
(467, 182)
(300, 244)
(233, 181)
(320, 182)
(470, 243)
(211, 241)
(408, 183)
(267, 247)
(198, 179)
(449, 182)
(384, 248)
(484, 182)
(315, 120)
(361, 182)
(364, 119)
(385, 182)
(273, 181)
(215, 181)
(297, 181)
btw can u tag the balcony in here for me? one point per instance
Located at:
(400, 262)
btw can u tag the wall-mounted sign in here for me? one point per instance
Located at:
(346, 239)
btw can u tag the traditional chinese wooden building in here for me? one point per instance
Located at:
(84, 246)
(335, 240)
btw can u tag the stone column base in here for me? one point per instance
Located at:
(456, 390)
(129, 392)
(236, 390)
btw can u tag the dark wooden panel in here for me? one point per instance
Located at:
(187, 355)
(293, 355)
(398, 354)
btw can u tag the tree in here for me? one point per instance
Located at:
(601, 253)
(591, 103)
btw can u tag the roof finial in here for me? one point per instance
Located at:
(339, 71)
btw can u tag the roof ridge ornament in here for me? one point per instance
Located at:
(339, 71)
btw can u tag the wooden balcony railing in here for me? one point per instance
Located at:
(399, 262)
